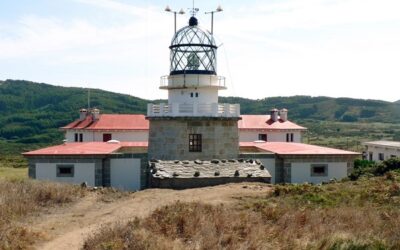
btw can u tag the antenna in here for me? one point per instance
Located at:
(194, 10)
(219, 9)
(88, 99)
(181, 12)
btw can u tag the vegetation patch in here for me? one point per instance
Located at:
(20, 198)
(361, 214)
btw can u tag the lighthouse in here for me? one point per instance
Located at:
(193, 125)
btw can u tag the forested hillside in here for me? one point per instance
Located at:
(31, 113)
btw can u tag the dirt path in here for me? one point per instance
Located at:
(67, 228)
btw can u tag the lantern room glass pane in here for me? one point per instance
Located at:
(193, 51)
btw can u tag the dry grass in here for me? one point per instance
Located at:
(364, 214)
(14, 173)
(19, 198)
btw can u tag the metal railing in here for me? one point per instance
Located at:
(194, 109)
(196, 80)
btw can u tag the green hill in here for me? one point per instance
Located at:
(31, 113)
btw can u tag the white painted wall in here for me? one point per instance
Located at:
(83, 172)
(387, 152)
(206, 95)
(301, 172)
(116, 135)
(269, 164)
(125, 174)
(273, 136)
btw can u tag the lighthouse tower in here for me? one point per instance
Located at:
(193, 125)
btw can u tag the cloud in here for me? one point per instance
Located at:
(285, 47)
(112, 5)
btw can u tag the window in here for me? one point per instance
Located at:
(81, 137)
(393, 156)
(262, 137)
(381, 156)
(65, 170)
(319, 170)
(191, 94)
(197, 94)
(289, 137)
(107, 137)
(76, 137)
(370, 156)
(194, 142)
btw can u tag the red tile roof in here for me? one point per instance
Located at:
(256, 122)
(111, 122)
(290, 148)
(84, 148)
(139, 122)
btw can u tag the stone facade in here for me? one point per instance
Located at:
(169, 137)
(191, 174)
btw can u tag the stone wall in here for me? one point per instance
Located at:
(169, 137)
(183, 183)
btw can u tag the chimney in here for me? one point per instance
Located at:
(95, 114)
(83, 114)
(283, 114)
(274, 114)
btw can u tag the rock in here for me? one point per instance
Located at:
(262, 167)
(154, 160)
(154, 170)
(196, 174)
(176, 161)
(216, 173)
(240, 160)
(223, 160)
(175, 174)
(185, 162)
(198, 162)
(152, 164)
(249, 175)
(251, 161)
(258, 162)
(232, 160)
(84, 184)
(245, 187)
(236, 173)
(215, 161)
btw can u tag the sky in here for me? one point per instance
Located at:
(337, 48)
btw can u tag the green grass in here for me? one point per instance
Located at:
(348, 135)
(14, 173)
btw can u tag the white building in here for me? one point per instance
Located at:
(135, 127)
(382, 150)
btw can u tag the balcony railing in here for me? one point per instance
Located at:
(195, 81)
(193, 109)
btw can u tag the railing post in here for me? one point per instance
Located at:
(227, 111)
(149, 109)
(162, 109)
(237, 109)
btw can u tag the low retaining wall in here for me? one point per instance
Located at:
(196, 182)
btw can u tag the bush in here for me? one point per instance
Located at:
(370, 168)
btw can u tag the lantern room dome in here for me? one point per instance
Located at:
(193, 51)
